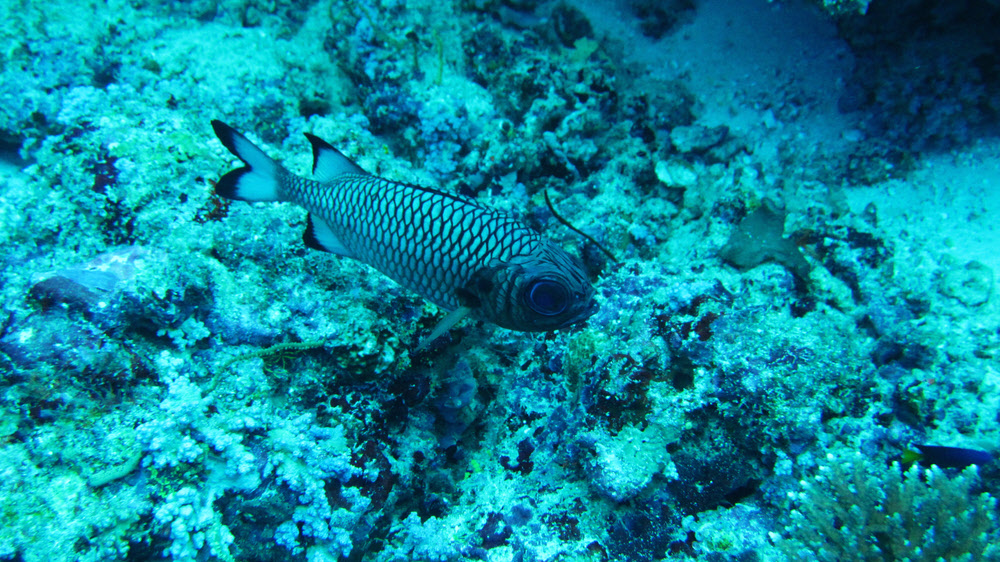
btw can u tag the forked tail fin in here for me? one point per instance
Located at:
(258, 180)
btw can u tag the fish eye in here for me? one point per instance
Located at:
(547, 298)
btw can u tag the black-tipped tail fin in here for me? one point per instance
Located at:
(258, 180)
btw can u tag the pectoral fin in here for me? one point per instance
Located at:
(447, 323)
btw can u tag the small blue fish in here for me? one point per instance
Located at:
(947, 457)
(456, 252)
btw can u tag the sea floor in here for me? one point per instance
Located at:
(795, 355)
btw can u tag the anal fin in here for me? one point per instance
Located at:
(319, 236)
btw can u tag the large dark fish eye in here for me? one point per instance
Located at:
(547, 297)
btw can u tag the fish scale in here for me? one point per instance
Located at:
(420, 238)
(456, 252)
(398, 229)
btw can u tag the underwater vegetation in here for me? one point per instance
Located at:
(794, 357)
(849, 512)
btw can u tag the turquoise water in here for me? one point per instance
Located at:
(801, 204)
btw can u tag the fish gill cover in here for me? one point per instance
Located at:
(801, 196)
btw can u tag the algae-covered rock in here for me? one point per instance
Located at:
(759, 238)
(971, 284)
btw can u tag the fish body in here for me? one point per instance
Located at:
(459, 254)
(947, 457)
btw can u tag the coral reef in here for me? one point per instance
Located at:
(801, 289)
(852, 510)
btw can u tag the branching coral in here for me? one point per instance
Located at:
(856, 510)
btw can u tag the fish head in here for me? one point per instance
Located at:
(545, 289)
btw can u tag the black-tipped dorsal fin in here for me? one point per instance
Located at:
(328, 162)
(319, 236)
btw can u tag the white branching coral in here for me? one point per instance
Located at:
(856, 510)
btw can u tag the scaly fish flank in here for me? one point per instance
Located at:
(456, 252)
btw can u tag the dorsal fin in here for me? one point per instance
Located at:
(328, 162)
